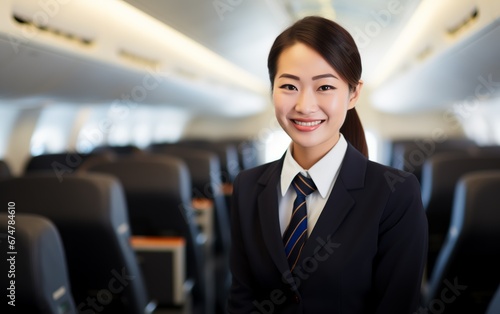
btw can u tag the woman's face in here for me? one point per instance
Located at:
(310, 98)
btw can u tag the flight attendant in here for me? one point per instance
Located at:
(323, 229)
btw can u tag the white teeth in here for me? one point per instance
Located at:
(307, 123)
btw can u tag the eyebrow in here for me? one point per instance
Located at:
(317, 77)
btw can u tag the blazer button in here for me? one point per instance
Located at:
(296, 298)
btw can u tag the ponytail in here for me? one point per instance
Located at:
(353, 131)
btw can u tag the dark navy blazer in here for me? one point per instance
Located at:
(366, 253)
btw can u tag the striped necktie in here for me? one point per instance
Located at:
(295, 235)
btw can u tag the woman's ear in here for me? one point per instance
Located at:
(354, 95)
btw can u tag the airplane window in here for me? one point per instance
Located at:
(476, 127)
(165, 132)
(276, 143)
(168, 124)
(53, 129)
(144, 125)
(120, 135)
(47, 140)
(479, 120)
(94, 128)
(122, 125)
(496, 132)
(89, 138)
(142, 135)
(372, 142)
(492, 115)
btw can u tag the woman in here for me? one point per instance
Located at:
(357, 243)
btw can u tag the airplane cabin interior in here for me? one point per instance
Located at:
(124, 123)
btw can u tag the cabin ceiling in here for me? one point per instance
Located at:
(242, 31)
(47, 67)
(209, 56)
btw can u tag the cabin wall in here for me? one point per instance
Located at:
(18, 153)
(214, 128)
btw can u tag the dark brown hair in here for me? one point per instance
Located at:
(338, 48)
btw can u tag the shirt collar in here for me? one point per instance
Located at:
(323, 172)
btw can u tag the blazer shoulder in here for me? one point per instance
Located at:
(392, 177)
(358, 172)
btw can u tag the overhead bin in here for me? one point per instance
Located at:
(93, 52)
(442, 57)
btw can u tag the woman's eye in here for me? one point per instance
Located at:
(288, 87)
(326, 87)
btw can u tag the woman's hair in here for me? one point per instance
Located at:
(338, 48)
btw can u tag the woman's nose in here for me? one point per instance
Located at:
(306, 102)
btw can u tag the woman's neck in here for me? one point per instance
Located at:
(306, 157)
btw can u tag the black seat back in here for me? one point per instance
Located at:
(439, 177)
(227, 153)
(125, 150)
(411, 154)
(61, 164)
(494, 306)
(33, 253)
(467, 265)
(204, 167)
(158, 193)
(4, 170)
(90, 213)
(248, 152)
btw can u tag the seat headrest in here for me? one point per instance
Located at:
(41, 276)
(204, 166)
(441, 173)
(77, 199)
(150, 174)
(62, 163)
(476, 206)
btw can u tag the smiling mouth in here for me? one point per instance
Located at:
(309, 123)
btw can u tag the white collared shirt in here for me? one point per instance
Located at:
(324, 173)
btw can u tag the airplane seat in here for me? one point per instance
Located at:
(90, 212)
(485, 150)
(227, 152)
(466, 273)
(40, 282)
(120, 151)
(410, 154)
(4, 170)
(158, 195)
(494, 306)
(204, 167)
(248, 153)
(96, 158)
(394, 149)
(440, 174)
(61, 163)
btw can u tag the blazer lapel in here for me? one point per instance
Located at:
(267, 202)
(340, 202)
(336, 209)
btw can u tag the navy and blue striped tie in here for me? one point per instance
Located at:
(295, 235)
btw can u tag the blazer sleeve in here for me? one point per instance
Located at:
(241, 293)
(402, 251)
